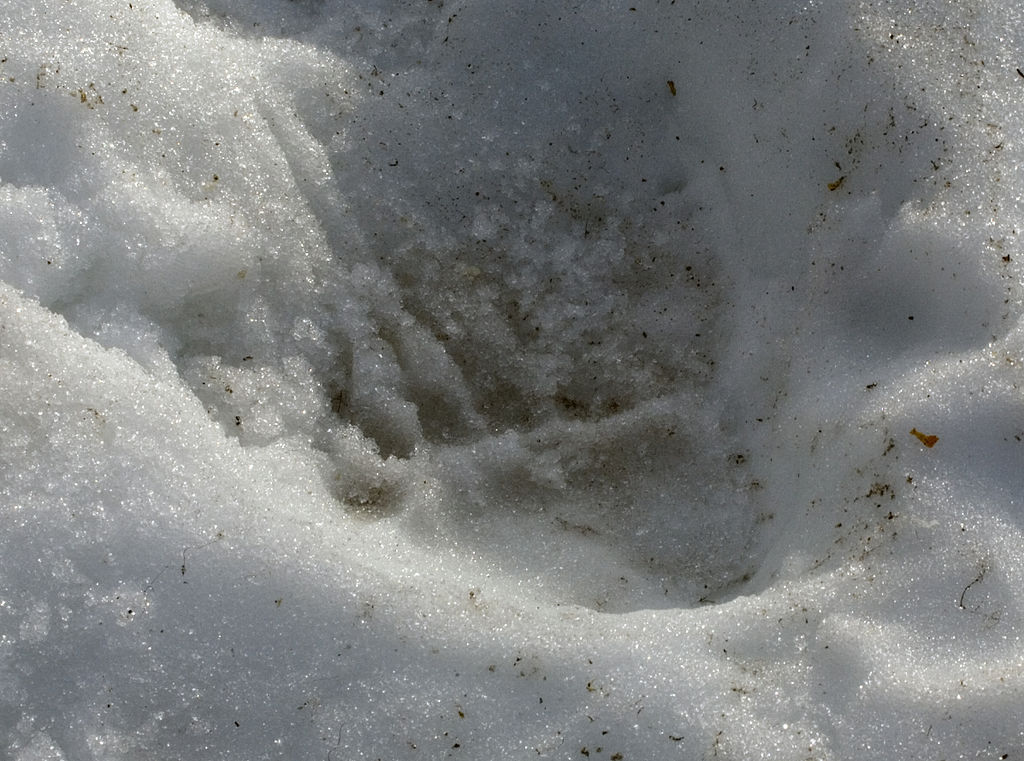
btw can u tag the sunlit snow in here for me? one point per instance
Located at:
(425, 379)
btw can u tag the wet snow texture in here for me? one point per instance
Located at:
(449, 379)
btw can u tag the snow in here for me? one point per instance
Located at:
(446, 379)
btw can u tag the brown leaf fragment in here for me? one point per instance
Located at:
(926, 439)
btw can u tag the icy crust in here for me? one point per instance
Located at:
(179, 610)
(510, 382)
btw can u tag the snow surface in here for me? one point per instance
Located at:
(422, 379)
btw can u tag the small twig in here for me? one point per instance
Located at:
(978, 578)
(337, 744)
(198, 547)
